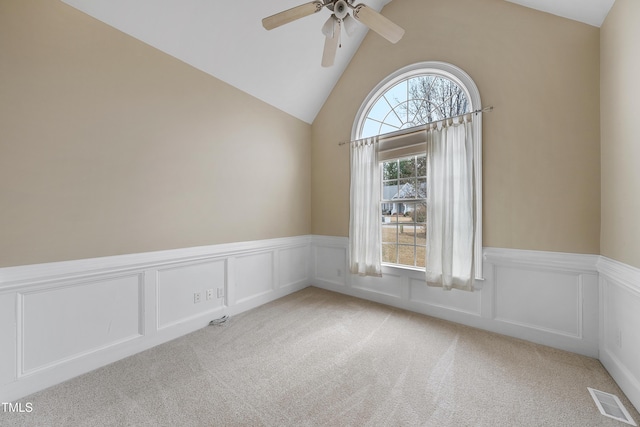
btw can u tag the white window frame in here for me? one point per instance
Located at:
(415, 223)
(467, 84)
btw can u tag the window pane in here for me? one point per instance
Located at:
(405, 232)
(421, 191)
(421, 166)
(407, 189)
(389, 232)
(420, 256)
(389, 190)
(390, 170)
(398, 93)
(394, 119)
(406, 255)
(370, 128)
(420, 213)
(385, 210)
(389, 253)
(421, 234)
(407, 168)
(379, 110)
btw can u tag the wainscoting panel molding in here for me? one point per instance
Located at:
(60, 320)
(463, 302)
(65, 322)
(521, 298)
(8, 339)
(330, 260)
(177, 286)
(293, 266)
(544, 297)
(619, 321)
(253, 276)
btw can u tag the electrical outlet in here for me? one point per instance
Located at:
(196, 297)
(619, 338)
(339, 272)
(209, 294)
(220, 292)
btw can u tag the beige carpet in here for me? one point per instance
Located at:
(317, 358)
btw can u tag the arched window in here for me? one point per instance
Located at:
(398, 106)
(413, 101)
(416, 95)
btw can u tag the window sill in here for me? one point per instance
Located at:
(402, 270)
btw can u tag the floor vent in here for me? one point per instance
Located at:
(610, 406)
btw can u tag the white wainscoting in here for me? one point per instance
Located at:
(63, 319)
(620, 325)
(544, 297)
(60, 320)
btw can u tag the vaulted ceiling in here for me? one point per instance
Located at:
(280, 67)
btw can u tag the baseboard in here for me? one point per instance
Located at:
(619, 320)
(60, 320)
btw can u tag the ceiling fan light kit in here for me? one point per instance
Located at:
(328, 29)
(340, 9)
(350, 25)
(333, 26)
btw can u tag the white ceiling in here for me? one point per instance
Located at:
(226, 39)
(281, 66)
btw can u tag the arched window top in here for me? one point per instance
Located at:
(416, 95)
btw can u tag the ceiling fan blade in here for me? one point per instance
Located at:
(378, 23)
(331, 46)
(292, 14)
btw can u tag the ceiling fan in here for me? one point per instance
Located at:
(333, 27)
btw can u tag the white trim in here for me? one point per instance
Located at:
(620, 316)
(597, 277)
(623, 274)
(467, 84)
(31, 275)
(557, 261)
(579, 317)
(545, 321)
(82, 281)
(625, 379)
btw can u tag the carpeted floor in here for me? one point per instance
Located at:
(316, 358)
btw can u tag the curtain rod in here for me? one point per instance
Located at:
(421, 127)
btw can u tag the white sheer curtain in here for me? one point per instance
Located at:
(450, 204)
(365, 233)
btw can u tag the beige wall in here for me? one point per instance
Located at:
(541, 143)
(620, 140)
(108, 146)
